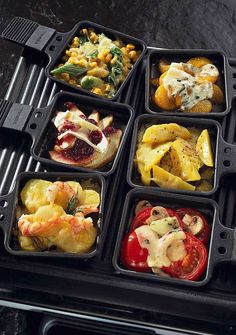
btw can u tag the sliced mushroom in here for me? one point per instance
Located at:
(157, 213)
(142, 204)
(193, 223)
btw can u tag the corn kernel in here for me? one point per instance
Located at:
(97, 90)
(75, 44)
(107, 87)
(73, 54)
(130, 46)
(84, 31)
(83, 63)
(93, 65)
(72, 81)
(114, 60)
(108, 58)
(75, 39)
(94, 37)
(65, 76)
(124, 51)
(132, 54)
(68, 52)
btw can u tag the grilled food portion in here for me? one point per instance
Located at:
(57, 215)
(83, 141)
(188, 87)
(96, 63)
(172, 156)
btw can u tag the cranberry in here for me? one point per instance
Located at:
(108, 131)
(68, 125)
(79, 151)
(92, 121)
(95, 136)
(70, 105)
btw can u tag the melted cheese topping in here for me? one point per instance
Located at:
(179, 82)
(85, 128)
(163, 251)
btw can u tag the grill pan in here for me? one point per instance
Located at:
(33, 35)
(94, 287)
(37, 123)
(226, 79)
(8, 204)
(224, 153)
(221, 248)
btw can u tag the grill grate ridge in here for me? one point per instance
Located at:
(4, 109)
(19, 30)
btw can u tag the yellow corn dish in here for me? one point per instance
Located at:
(96, 63)
(174, 157)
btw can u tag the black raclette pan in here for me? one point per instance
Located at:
(224, 153)
(33, 35)
(226, 79)
(37, 123)
(8, 208)
(222, 244)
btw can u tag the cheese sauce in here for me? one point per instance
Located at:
(161, 251)
(179, 82)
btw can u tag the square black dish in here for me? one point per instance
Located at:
(38, 123)
(9, 205)
(54, 44)
(220, 246)
(224, 160)
(225, 80)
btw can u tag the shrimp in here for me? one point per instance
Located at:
(60, 193)
(86, 209)
(80, 223)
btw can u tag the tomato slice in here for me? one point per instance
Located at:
(132, 255)
(140, 218)
(204, 234)
(192, 266)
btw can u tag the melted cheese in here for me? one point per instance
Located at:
(209, 70)
(163, 251)
(85, 128)
(179, 82)
(100, 147)
(105, 43)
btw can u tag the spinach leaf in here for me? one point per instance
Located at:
(73, 70)
(115, 51)
(94, 54)
(114, 72)
(83, 39)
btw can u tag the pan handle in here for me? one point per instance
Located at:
(33, 35)
(223, 248)
(6, 205)
(226, 157)
(22, 118)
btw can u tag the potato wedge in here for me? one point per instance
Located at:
(183, 167)
(155, 155)
(165, 132)
(204, 150)
(167, 180)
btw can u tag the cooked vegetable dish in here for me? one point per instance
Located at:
(96, 63)
(57, 215)
(168, 242)
(175, 157)
(84, 141)
(188, 87)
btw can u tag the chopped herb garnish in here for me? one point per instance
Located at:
(71, 207)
